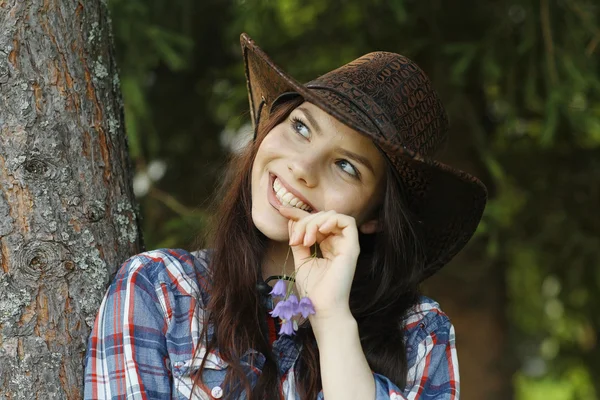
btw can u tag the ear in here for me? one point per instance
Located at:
(369, 227)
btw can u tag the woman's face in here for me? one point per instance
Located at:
(314, 162)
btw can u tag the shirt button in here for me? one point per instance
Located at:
(217, 392)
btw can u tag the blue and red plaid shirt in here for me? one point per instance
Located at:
(147, 331)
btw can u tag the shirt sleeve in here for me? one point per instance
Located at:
(432, 372)
(127, 356)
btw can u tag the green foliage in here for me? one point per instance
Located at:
(574, 383)
(145, 39)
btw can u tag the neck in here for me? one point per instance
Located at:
(274, 259)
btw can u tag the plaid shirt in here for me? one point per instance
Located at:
(148, 326)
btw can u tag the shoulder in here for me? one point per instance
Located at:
(177, 270)
(431, 359)
(430, 347)
(426, 314)
(426, 322)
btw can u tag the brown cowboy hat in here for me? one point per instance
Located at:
(389, 98)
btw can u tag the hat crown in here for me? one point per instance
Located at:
(395, 95)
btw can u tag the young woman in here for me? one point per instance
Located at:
(338, 196)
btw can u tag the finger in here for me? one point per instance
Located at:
(309, 226)
(299, 230)
(313, 233)
(310, 235)
(293, 213)
(344, 221)
(339, 221)
(299, 252)
(339, 225)
(329, 226)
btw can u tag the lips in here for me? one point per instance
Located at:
(275, 201)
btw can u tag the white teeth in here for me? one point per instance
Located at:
(287, 198)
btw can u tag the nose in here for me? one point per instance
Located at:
(304, 169)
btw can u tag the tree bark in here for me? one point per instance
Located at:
(67, 212)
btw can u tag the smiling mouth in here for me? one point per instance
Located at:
(286, 198)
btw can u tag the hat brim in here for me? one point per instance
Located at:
(447, 204)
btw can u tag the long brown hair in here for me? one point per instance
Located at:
(384, 288)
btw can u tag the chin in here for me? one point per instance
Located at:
(273, 228)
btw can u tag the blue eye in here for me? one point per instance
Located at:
(347, 167)
(300, 128)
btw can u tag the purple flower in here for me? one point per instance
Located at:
(293, 301)
(280, 289)
(282, 310)
(305, 307)
(286, 309)
(287, 327)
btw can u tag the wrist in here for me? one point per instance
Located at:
(333, 324)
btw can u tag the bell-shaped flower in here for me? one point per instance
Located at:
(280, 289)
(305, 307)
(286, 309)
(293, 301)
(287, 327)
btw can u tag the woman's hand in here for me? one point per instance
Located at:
(325, 279)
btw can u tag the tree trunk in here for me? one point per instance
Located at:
(67, 210)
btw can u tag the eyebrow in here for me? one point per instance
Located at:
(363, 160)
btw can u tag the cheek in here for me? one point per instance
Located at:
(346, 201)
(271, 146)
(276, 139)
(276, 146)
(350, 202)
(264, 154)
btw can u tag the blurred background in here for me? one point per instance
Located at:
(520, 79)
